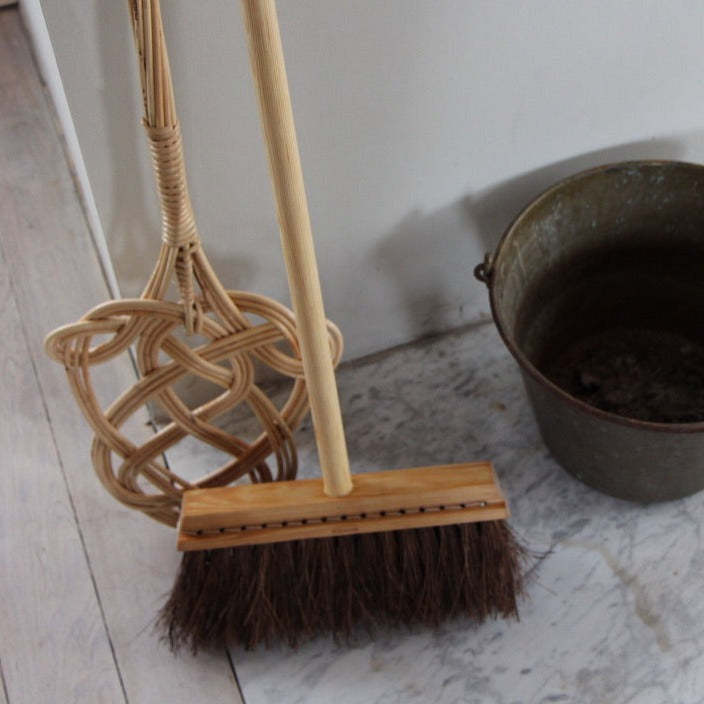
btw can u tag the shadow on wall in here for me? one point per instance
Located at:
(430, 432)
(427, 254)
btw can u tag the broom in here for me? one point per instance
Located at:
(294, 559)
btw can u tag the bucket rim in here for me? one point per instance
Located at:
(524, 363)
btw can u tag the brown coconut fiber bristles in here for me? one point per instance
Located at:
(292, 591)
(289, 559)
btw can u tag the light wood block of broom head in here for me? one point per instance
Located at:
(380, 501)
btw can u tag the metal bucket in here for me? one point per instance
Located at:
(615, 249)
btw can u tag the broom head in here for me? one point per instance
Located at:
(283, 561)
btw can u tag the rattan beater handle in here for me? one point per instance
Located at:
(267, 60)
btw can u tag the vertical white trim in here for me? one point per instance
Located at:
(35, 23)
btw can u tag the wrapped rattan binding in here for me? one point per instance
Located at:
(238, 327)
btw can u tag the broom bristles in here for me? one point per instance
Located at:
(295, 591)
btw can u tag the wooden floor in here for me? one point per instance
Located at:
(81, 577)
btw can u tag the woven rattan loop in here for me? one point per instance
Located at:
(135, 474)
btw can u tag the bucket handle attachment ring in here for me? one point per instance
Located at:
(484, 270)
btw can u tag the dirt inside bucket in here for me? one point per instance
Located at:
(649, 375)
(623, 330)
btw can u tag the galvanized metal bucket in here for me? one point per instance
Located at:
(616, 247)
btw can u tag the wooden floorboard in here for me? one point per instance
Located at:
(56, 277)
(54, 644)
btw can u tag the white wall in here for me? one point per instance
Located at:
(424, 125)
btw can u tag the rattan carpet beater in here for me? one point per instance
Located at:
(288, 558)
(149, 325)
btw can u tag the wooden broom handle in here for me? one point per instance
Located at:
(267, 60)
